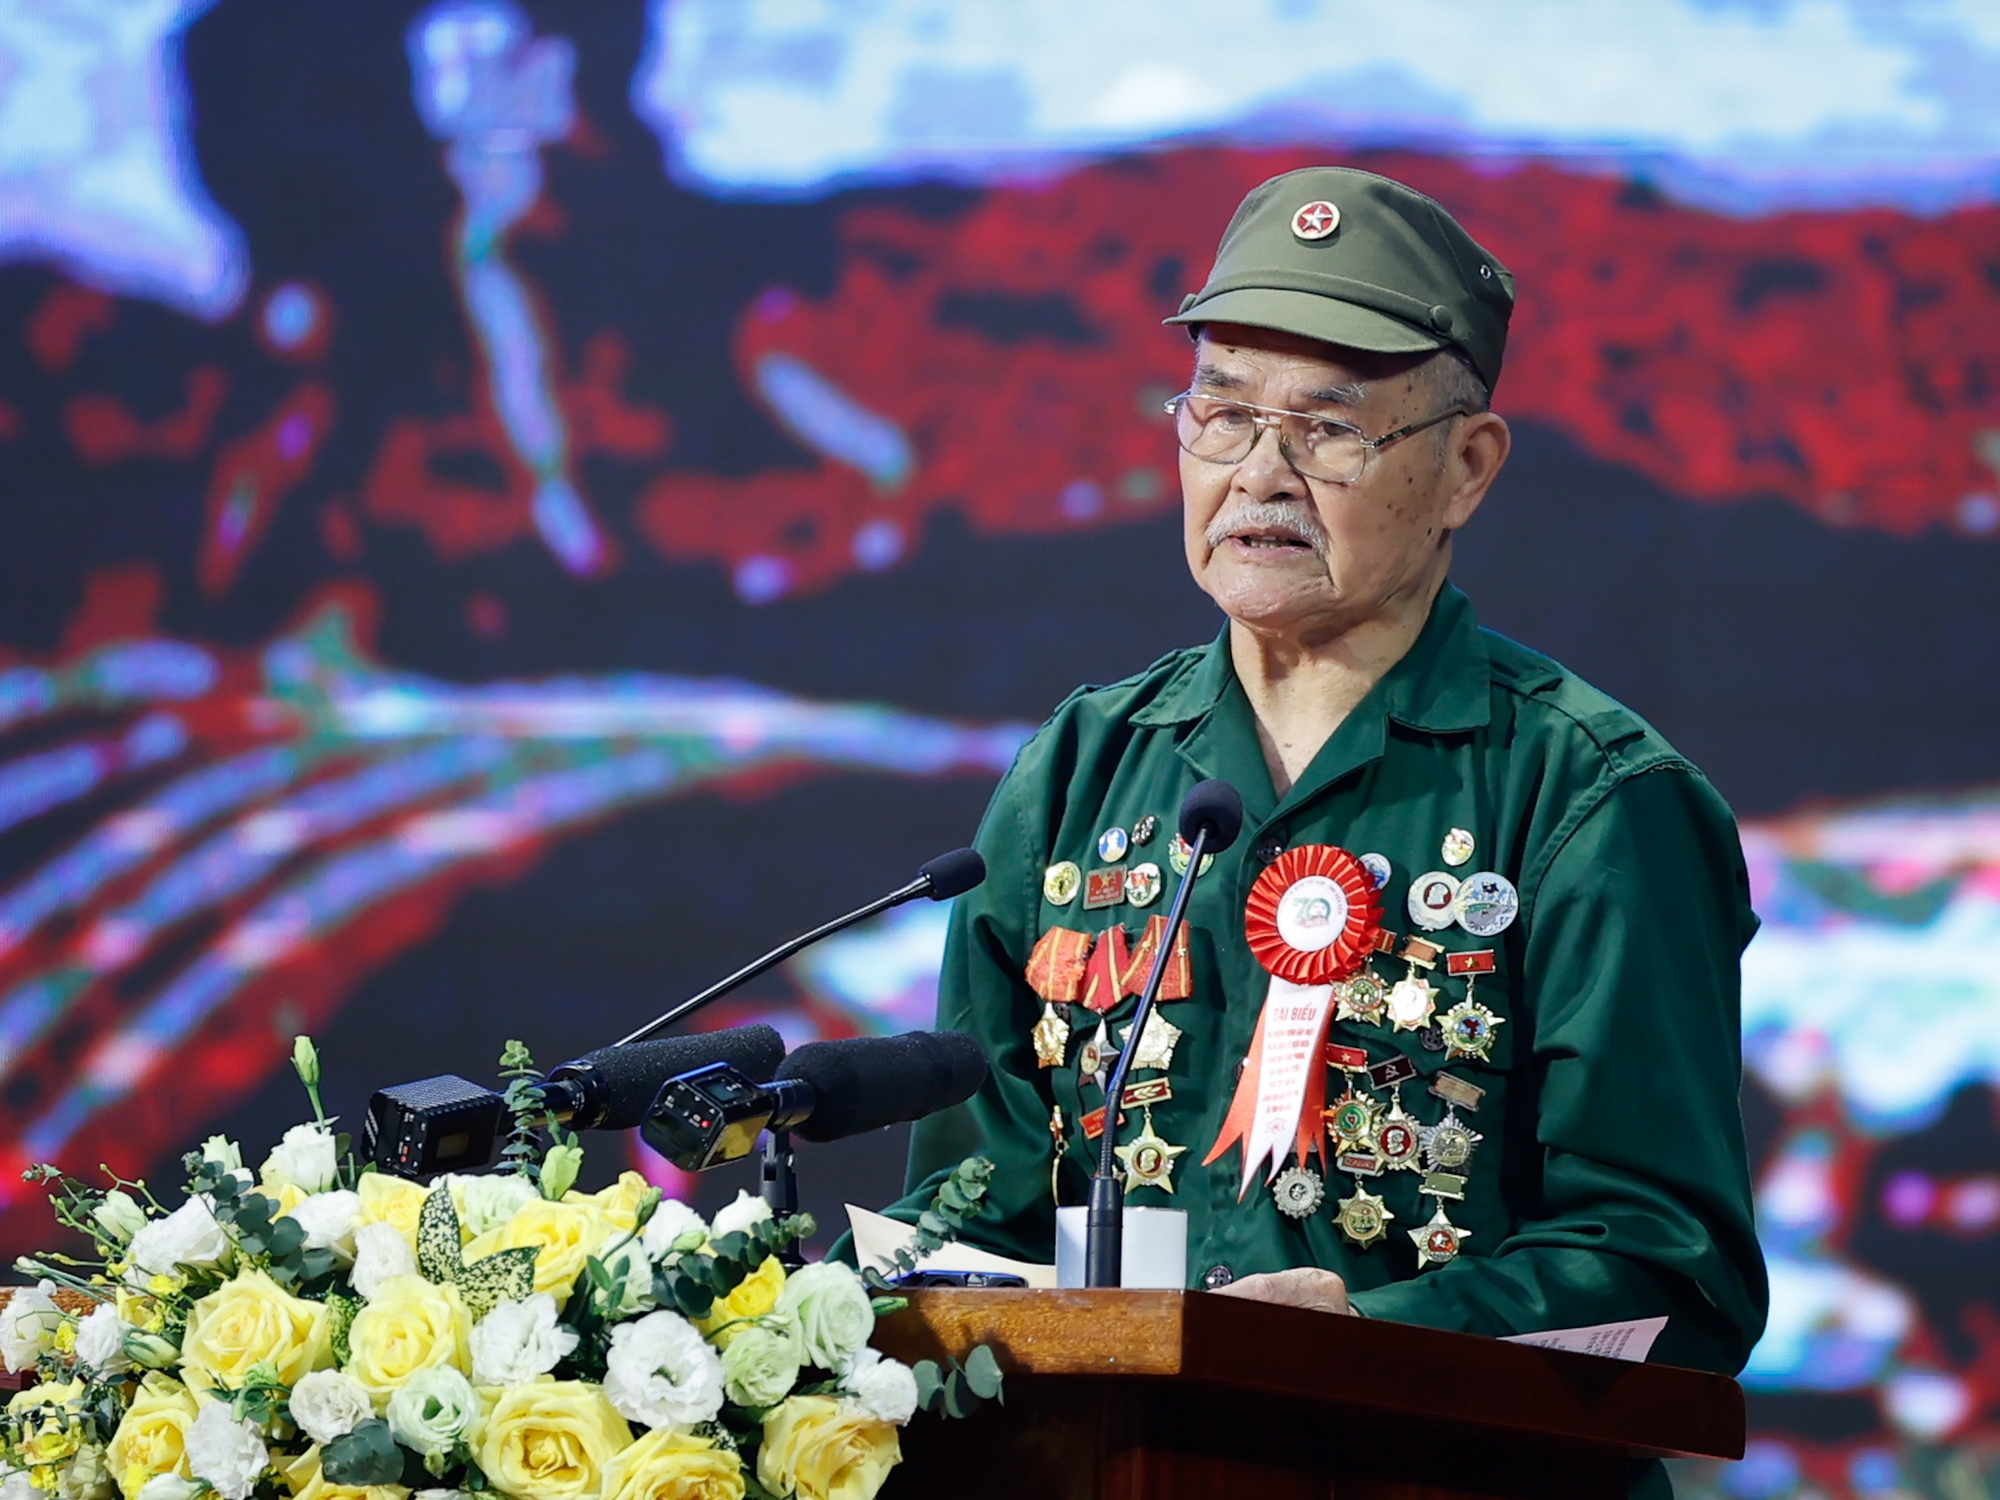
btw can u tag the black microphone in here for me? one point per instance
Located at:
(613, 1087)
(446, 1124)
(946, 876)
(825, 1091)
(1211, 818)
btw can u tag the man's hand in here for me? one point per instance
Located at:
(1302, 1286)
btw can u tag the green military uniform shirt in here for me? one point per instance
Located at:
(1611, 1182)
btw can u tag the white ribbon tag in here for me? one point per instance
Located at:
(1295, 1020)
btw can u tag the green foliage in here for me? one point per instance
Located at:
(367, 1455)
(438, 1254)
(957, 1203)
(523, 1153)
(691, 1284)
(503, 1276)
(340, 1313)
(957, 1390)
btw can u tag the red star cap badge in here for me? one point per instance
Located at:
(1316, 220)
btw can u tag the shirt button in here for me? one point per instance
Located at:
(1217, 1277)
(1269, 847)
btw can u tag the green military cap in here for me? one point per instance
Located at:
(1351, 258)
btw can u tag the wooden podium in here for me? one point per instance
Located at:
(1185, 1395)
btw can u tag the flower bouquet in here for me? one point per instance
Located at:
(323, 1331)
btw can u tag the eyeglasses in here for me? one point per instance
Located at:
(1220, 431)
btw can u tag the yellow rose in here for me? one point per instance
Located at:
(550, 1439)
(141, 1312)
(303, 1475)
(152, 1435)
(285, 1199)
(53, 1435)
(619, 1203)
(755, 1295)
(822, 1451)
(564, 1236)
(391, 1200)
(253, 1320)
(411, 1325)
(670, 1465)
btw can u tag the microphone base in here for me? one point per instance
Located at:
(780, 1189)
(1104, 1234)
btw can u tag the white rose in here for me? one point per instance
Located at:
(833, 1312)
(884, 1388)
(327, 1404)
(488, 1200)
(28, 1325)
(224, 1152)
(18, 1486)
(169, 1487)
(306, 1159)
(733, 1218)
(328, 1220)
(437, 1495)
(517, 1341)
(119, 1215)
(189, 1236)
(380, 1252)
(226, 1452)
(86, 1476)
(100, 1341)
(674, 1228)
(760, 1366)
(433, 1411)
(661, 1372)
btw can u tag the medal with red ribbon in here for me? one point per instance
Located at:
(1311, 920)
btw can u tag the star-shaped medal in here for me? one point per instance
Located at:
(1362, 998)
(1411, 1002)
(1437, 1241)
(1097, 1052)
(1448, 1144)
(1351, 1120)
(1051, 1037)
(1149, 1160)
(1363, 1218)
(1398, 1138)
(1156, 1047)
(1468, 1030)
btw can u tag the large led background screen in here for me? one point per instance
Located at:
(508, 510)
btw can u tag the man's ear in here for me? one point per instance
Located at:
(1479, 450)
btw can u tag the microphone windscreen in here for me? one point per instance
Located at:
(1216, 805)
(863, 1083)
(631, 1075)
(954, 874)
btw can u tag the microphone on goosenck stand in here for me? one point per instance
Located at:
(1211, 817)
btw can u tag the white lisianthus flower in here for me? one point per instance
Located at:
(662, 1373)
(189, 1236)
(327, 1404)
(833, 1311)
(517, 1341)
(28, 1325)
(169, 1487)
(674, 1229)
(733, 1218)
(86, 1476)
(761, 1365)
(18, 1486)
(100, 1341)
(380, 1252)
(224, 1152)
(119, 1215)
(884, 1388)
(489, 1199)
(434, 1411)
(328, 1220)
(305, 1159)
(226, 1452)
(442, 1495)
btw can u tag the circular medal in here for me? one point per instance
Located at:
(1432, 899)
(1311, 917)
(1377, 866)
(1448, 1144)
(1468, 1031)
(1177, 856)
(1061, 882)
(1362, 997)
(1142, 884)
(1486, 904)
(1458, 847)
(1364, 1218)
(1299, 1192)
(1144, 829)
(1111, 845)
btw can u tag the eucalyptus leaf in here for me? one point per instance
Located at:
(982, 1372)
(367, 1455)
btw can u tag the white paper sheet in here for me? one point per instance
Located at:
(877, 1238)
(1633, 1340)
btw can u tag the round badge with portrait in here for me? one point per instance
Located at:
(1311, 917)
(1432, 902)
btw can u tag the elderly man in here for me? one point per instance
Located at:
(1528, 1117)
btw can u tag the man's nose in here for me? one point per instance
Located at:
(1265, 471)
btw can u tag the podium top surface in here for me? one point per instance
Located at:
(1294, 1356)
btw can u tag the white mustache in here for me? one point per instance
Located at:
(1267, 515)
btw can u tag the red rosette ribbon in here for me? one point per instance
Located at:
(1312, 915)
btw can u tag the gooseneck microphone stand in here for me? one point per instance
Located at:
(1216, 812)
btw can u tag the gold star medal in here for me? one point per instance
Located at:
(1097, 1052)
(1448, 1144)
(1468, 1031)
(1156, 1047)
(1051, 1037)
(1351, 1119)
(1437, 1242)
(1363, 1218)
(1398, 1139)
(1149, 1160)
